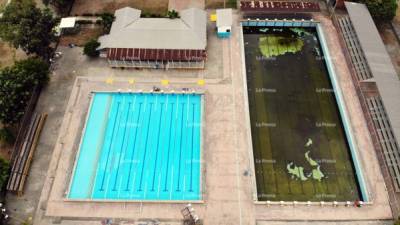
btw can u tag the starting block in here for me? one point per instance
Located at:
(164, 82)
(201, 82)
(110, 80)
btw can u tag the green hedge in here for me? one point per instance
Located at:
(4, 172)
(6, 136)
(16, 84)
(90, 48)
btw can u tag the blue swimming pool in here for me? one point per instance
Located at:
(140, 146)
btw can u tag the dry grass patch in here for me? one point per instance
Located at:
(5, 149)
(392, 45)
(217, 4)
(86, 33)
(214, 4)
(2, 4)
(89, 6)
(9, 55)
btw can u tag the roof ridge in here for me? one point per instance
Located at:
(185, 32)
(128, 24)
(184, 22)
(193, 29)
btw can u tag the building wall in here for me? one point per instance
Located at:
(155, 58)
(157, 64)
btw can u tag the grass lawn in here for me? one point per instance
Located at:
(88, 6)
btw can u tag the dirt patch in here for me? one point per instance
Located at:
(89, 6)
(5, 151)
(2, 4)
(9, 54)
(216, 4)
(392, 44)
(86, 33)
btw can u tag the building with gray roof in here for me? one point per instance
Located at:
(378, 83)
(156, 42)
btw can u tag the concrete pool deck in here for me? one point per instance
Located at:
(229, 187)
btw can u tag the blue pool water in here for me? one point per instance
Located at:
(140, 147)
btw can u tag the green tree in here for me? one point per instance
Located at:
(4, 172)
(232, 4)
(27, 27)
(172, 14)
(106, 20)
(6, 136)
(61, 5)
(16, 86)
(90, 48)
(381, 10)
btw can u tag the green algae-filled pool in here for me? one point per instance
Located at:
(140, 146)
(300, 148)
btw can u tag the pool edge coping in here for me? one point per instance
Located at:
(247, 112)
(71, 176)
(78, 152)
(133, 201)
(354, 151)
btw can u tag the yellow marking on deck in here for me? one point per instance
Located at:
(201, 82)
(213, 17)
(131, 81)
(110, 80)
(164, 82)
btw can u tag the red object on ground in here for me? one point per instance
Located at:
(357, 203)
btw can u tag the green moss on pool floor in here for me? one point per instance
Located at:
(273, 45)
(299, 145)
